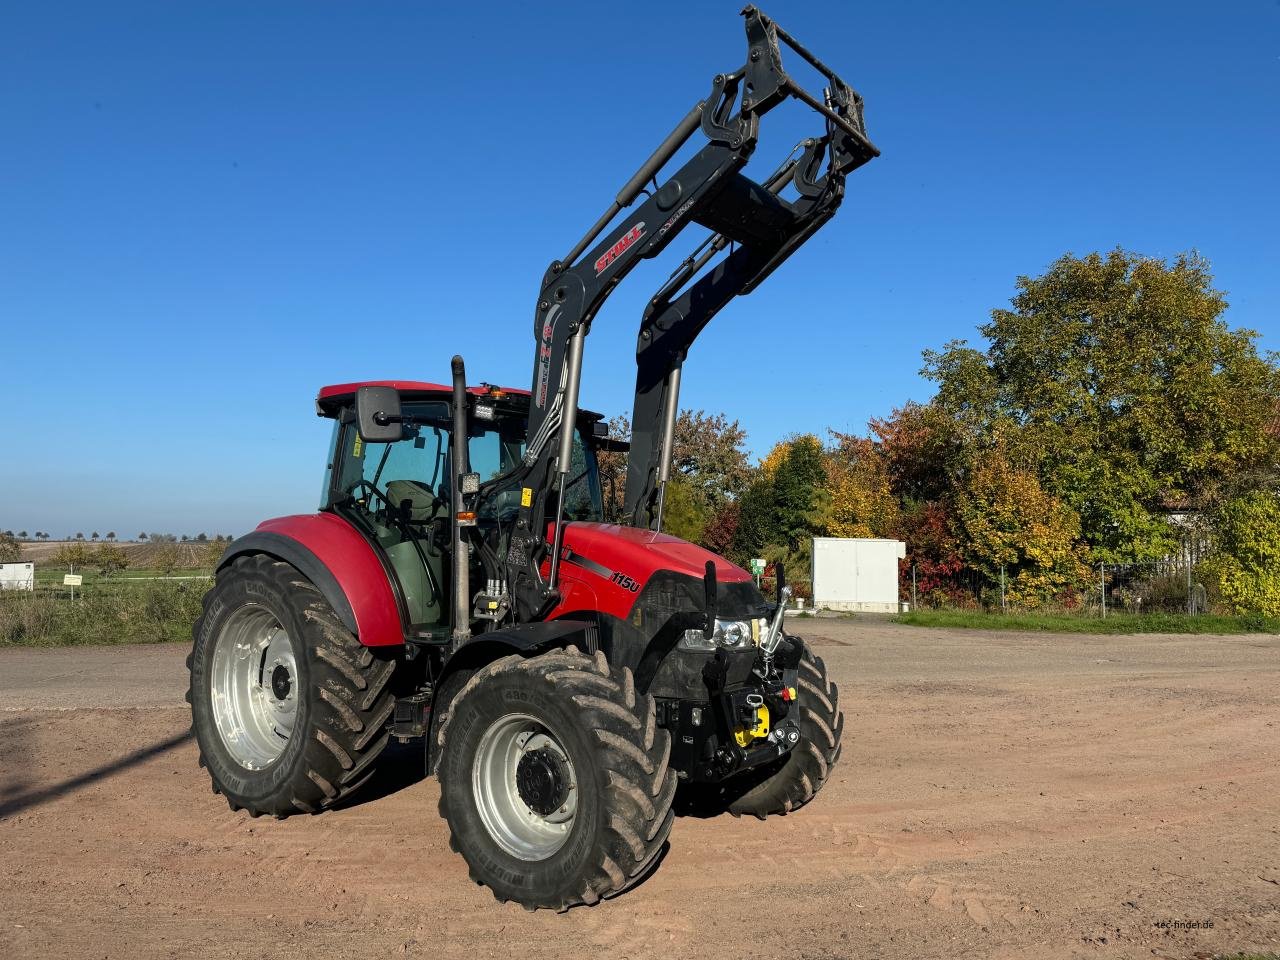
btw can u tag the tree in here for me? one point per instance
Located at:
(79, 536)
(202, 538)
(94, 535)
(862, 501)
(109, 559)
(1246, 561)
(111, 535)
(708, 455)
(10, 549)
(22, 535)
(142, 537)
(75, 554)
(1115, 379)
(165, 559)
(784, 506)
(1007, 520)
(214, 549)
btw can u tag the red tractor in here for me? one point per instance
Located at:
(458, 584)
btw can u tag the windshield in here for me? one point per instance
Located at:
(417, 470)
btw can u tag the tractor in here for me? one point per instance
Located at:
(459, 584)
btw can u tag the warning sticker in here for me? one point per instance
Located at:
(526, 497)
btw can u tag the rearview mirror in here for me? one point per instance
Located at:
(378, 414)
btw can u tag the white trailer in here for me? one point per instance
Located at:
(17, 576)
(856, 574)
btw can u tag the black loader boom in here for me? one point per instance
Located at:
(751, 220)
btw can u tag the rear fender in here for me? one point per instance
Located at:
(334, 556)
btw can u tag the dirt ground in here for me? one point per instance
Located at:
(1000, 795)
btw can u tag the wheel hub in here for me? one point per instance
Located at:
(281, 681)
(542, 781)
(253, 687)
(525, 787)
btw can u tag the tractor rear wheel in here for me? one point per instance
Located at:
(555, 779)
(288, 709)
(797, 779)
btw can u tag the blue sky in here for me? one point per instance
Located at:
(208, 210)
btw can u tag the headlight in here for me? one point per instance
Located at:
(731, 634)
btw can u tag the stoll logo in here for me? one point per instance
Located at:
(624, 242)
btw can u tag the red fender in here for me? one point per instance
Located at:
(334, 556)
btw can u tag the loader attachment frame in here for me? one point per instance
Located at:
(752, 221)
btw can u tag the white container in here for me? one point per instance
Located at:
(17, 576)
(856, 574)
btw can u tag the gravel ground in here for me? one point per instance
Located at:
(1000, 795)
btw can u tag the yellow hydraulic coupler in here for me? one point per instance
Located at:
(744, 735)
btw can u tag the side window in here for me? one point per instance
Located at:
(582, 496)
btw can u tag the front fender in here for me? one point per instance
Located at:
(333, 555)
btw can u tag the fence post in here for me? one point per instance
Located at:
(1102, 582)
(913, 588)
(1003, 607)
(1191, 603)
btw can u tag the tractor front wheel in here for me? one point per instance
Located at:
(555, 779)
(288, 709)
(804, 772)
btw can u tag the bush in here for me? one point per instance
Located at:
(153, 612)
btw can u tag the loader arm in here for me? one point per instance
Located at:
(751, 220)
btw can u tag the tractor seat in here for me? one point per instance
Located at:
(424, 505)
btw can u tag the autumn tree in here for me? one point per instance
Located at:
(861, 500)
(1009, 522)
(1117, 379)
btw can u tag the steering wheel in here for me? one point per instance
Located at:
(365, 485)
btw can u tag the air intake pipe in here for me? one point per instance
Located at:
(461, 467)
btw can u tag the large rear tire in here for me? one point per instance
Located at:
(288, 709)
(555, 779)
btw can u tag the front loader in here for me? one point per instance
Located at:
(458, 584)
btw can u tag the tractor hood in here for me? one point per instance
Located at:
(639, 554)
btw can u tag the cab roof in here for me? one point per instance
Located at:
(336, 394)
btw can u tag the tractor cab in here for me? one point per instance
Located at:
(398, 493)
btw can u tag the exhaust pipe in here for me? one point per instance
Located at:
(461, 466)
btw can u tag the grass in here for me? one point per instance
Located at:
(1090, 623)
(108, 612)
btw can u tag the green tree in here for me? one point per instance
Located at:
(72, 554)
(10, 549)
(1007, 520)
(708, 457)
(682, 514)
(109, 558)
(1117, 381)
(1246, 561)
(784, 507)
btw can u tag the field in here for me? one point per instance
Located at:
(1000, 795)
(141, 555)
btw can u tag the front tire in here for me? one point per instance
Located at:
(795, 781)
(555, 779)
(288, 709)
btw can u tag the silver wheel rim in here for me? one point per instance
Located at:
(254, 687)
(513, 824)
